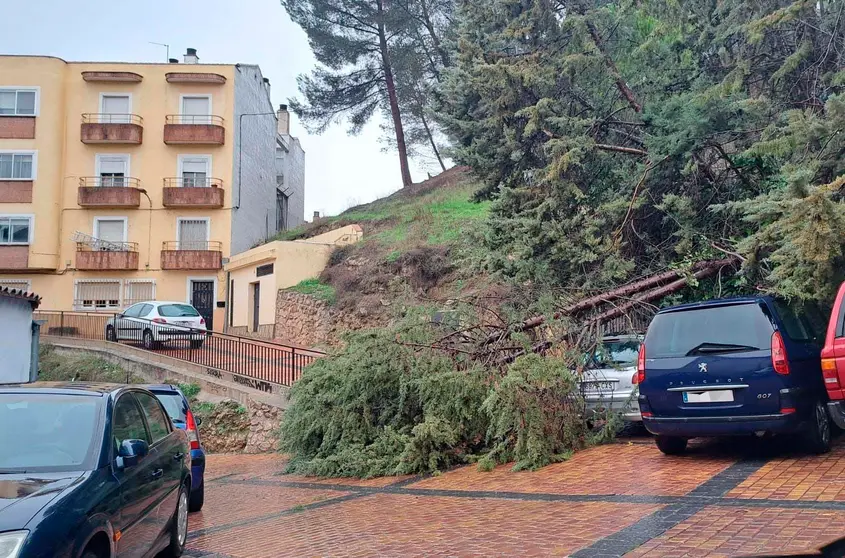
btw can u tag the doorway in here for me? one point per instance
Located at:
(254, 304)
(202, 298)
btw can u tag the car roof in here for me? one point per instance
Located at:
(162, 302)
(715, 303)
(64, 388)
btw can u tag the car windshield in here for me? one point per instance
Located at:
(174, 405)
(618, 352)
(715, 329)
(47, 432)
(177, 311)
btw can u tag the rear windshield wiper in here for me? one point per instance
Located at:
(708, 347)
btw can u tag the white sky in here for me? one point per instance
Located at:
(340, 170)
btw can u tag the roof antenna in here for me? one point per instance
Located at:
(167, 47)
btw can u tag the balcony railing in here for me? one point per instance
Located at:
(194, 119)
(176, 182)
(103, 255)
(192, 254)
(112, 128)
(108, 118)
(109, 191)
(194, 129)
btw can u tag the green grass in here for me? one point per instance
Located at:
(316, 289)
(80, 367)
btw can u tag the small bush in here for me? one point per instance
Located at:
(340, 254)
(316, 289)
(190, 391)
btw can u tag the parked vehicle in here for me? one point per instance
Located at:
(154, 322)
(731, 367)
(177, 407)
(607, 382)
(833, 360)
(90, 471)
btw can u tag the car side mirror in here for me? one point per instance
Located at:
(198, 420)
(131, 452)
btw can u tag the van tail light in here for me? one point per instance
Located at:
(159, 321)
(191, 429)
(639, 377)
(202, 321)
(831, 378)
(780, 362)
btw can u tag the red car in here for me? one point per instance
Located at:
(833, 360)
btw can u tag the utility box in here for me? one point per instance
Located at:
(19, 342)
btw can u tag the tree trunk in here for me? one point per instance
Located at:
(621, 84)
(393, 99)
(431, 140)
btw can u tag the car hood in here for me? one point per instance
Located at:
(22, 495)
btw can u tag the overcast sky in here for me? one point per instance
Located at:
(340, 170)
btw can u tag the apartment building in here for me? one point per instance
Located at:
(125, 182)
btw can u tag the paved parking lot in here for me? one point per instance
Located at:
(723, 499)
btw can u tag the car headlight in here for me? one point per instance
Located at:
(11, 543)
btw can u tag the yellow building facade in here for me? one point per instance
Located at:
(128, 182)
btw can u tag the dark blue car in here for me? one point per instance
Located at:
(729, 367)
(176, 405)
(90, 471)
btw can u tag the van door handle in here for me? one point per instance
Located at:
(157, 473)
(178, 456)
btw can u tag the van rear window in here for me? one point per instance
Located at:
(677, 334)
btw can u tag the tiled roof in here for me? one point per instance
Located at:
(32, 298)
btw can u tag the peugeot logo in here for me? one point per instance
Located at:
(702, 367)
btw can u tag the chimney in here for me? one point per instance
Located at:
(284, 120)
(266, 81)
(191, 56)
(173, 60)
(316, 217)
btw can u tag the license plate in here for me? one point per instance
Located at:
(714, 396)
(188, 324)
(599, 386)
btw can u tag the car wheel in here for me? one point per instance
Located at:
(110, 335)
(671, 445)
(196, 344)
(197, 499)
(818, 435)
(149, 342)
(178, 527)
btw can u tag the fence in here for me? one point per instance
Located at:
(261, 360)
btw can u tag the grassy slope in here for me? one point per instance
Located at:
(427, 236)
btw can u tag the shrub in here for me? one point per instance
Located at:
(317, 289)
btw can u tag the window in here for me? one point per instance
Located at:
(138, 290)
(196, 109)
(15, 229)
(281, 211)
(156, 418)
(110, 232)
(115, 108)
(193, 234)
(177, 311)
(112, 170)
(262, 270)
(195, 171)
(133, 311)
(128, 424)
(17, 166)
(18, 102)
(97, 294)
(19, 284)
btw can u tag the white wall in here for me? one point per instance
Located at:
(16, 341)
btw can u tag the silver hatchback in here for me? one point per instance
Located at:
(608, 378)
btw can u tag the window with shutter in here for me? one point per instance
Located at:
(97, 295)
(193, 234)
(196, 110)
(138, 291)
(113, 170)
(111, 233)
(195, 171)
(115, 109)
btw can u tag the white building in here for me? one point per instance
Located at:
(19, 342)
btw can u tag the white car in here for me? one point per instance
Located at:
(608, 379)
(155, 322)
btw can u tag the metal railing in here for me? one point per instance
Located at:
(209, 245)
(247, 358)
(106, 118)
(190, 182)
(194, 119)
(98, 245)
(109, 182)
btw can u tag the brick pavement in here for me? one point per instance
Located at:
(614, 500)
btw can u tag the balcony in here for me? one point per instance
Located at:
(193, 192)
(189, 129)
(17, 127)
(195, 77)
(14, 257)
(112, 128)
(102, 255)
(194, 254)
(109, 191)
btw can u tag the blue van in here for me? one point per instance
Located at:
(732, 367)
